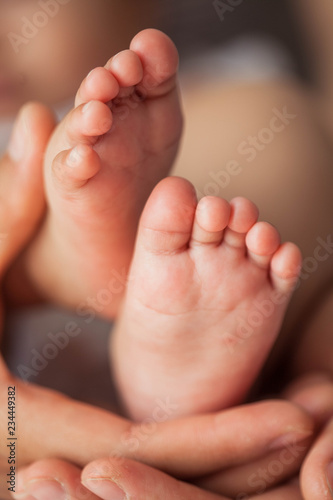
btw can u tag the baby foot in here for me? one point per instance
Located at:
(206, 297)
(101, 165)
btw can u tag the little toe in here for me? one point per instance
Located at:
(90, 120)
(244, 215)
(72, 169)
(99, 85)
(285, 267)
(160, 60)
(262, 241)
(211, 218)
(167, 219)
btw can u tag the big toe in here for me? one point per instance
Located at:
(160, 61)
(167, 219)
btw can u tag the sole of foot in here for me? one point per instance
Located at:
(208, 289)
(101, 164)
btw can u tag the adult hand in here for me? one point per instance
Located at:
(112, 479)
(315, 394)
(264, 434)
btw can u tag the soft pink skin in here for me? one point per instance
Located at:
(101, 480)
(124, 145)
(314, 393)
(202, 446)
(197, 277)
(80, 433)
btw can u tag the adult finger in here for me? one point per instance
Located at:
(116, 479)
(52, 425)
(261, 475)
(51, 479)
(288, 492)
(317, 471)
(314, 393)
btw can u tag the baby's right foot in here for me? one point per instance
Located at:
(208, 290)
(101, 165)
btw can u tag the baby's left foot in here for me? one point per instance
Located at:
(206, 297)
(101, 165)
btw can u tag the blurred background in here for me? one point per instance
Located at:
(195, 26)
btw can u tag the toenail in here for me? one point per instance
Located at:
(46, 489)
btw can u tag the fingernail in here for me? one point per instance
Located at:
(105, 488)
(48, 489)
(329, 477)
(17, 143)
(289, 439)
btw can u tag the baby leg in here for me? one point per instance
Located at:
(101, 164)
(202, 276)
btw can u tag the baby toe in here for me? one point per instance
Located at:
(285, 267)
(99, 85)
(262, 241)
(244, 215)
(212, 217)
(126, 68)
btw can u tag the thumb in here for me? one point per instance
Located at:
(21, 186)
(21, 180)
